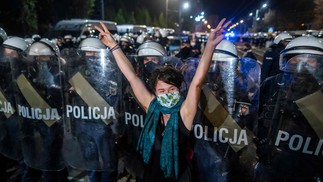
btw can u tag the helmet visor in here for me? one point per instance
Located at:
(301, 63)
(227, 64)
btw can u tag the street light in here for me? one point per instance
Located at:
(166, 13)
(185, 5)
(102, 9)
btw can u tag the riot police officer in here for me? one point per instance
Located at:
(270, 62)
(289, 146)
(224, 150)
(91, 111)
(11, 50)
(127, 44)
(150, 56)
(39, 107)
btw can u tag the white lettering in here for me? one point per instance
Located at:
(223, 135)
(307, 143)
(84, 112)
(69, 109)
(198, 131)
(6, 107)
(134, 119)
(127, 117)
(318, 148)
(38, 113)
(280, 137)
(95, 115)
(234, 139)
(206, 131)
(300, 143)
(243, 138)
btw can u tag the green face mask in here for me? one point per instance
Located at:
(168, 100)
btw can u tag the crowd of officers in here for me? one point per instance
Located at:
(257, 122)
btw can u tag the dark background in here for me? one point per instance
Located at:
(27, 17)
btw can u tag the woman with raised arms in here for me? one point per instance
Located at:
(169, 119)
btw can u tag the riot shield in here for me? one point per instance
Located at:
(250, 70)
(39, 106)
(290, 121)
(92, 96)
(188, 69)
(10, 145)
(224, 124)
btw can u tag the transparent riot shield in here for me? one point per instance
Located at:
(92, 94)
(188, 69)
(224, 125)
(39, 106)
(10, 145)
(290, 121)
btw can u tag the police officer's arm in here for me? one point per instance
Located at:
(190, 104)
(141, 92)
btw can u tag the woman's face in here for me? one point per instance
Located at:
(164, 88)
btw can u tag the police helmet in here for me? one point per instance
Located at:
(151, 48)
(36, 37)
(91, 44)
(44, 47)
(225, 49)
(226, 53)
(142, 38)
(126, 38)
(300, 52)
(29, 40)
(3, 35)
(16, 43)
(68, 37)
(283, 37)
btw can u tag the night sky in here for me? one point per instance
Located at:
(222, 8)
(238, 9)
(226, 8)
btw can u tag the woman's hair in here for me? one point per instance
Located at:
(167, 74)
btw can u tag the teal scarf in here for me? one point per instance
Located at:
(169, 147)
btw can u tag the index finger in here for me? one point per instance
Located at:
(220, 24)
(104, 27)
(98, 29)
(226, 24)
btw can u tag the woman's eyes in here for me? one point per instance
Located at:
(170, 90)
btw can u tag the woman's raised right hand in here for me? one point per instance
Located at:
(105, 36)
